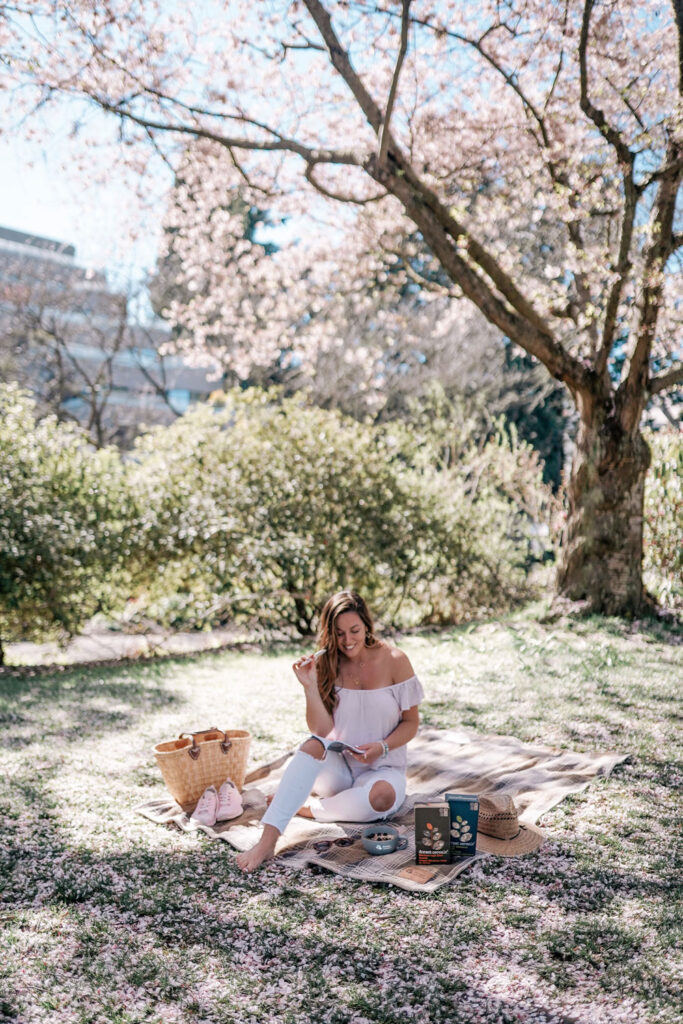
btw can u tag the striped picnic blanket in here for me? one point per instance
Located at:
(537, 777)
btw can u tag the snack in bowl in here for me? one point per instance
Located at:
(380, 839)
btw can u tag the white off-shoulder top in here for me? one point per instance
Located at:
(364, 716)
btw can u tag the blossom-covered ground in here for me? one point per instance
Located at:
(109, 918)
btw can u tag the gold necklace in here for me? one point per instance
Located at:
(353, 680)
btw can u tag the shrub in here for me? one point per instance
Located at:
(663, 531)
(495, 495)
(263, 507)
(65, 538)
(256, 510)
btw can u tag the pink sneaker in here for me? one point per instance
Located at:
(229, 801)
(205, 811)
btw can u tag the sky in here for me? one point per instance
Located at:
(39, 196)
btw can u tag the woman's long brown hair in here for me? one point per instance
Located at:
(328, 663)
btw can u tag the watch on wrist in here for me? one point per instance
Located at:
(385, 748)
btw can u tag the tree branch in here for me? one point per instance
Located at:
(528, 333)
(678, 15)
(664, 171)
(622, 269)
(160, 389)
(557, 175)
(419, 279)
(280, 143)
(669, 379)
(338, 196)
(631, 392)
(596, 115)
(460, 234)
(342, 64)
(385, 131)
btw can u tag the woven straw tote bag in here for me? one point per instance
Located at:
(206, 758)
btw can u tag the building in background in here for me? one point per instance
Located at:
(69, 339)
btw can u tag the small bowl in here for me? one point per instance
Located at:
(377, 847)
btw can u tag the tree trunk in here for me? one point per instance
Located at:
(602, 546)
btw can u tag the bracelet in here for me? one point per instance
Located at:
(385, 748)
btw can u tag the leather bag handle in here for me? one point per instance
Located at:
(195, 750)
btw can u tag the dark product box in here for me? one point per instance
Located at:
(464, 814)
(431, 833)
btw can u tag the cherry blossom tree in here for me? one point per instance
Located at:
(534, 148)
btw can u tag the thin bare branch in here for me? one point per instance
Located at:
(621, 269)
(279, 143)
(342, 64)
(621, 93)
(560, 61)
(160, 388)
(385, 130)
(419, 279)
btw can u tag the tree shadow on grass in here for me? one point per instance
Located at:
(79, 702)
(164, 920)
(160, 914)
(667, 630)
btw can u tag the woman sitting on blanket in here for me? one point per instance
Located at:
(359, 690)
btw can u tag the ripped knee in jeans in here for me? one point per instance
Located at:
(382, 796)
(314, 747)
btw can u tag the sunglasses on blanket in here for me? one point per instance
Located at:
(325, 844)
(320, 846)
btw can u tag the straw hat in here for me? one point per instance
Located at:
(499, 830)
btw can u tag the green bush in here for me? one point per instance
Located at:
(663, 533)
(254, 510)
(65, 537)
(263, 507)
(495, 492)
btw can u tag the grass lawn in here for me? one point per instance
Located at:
(109, 918)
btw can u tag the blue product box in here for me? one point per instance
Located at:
(464, 815)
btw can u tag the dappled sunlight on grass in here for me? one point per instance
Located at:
(109, 918)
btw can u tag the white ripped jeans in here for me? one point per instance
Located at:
(342, 788)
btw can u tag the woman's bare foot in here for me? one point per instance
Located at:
(264, 850)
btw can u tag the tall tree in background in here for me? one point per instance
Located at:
(486, 127)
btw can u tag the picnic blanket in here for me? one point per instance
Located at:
(537, 777)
